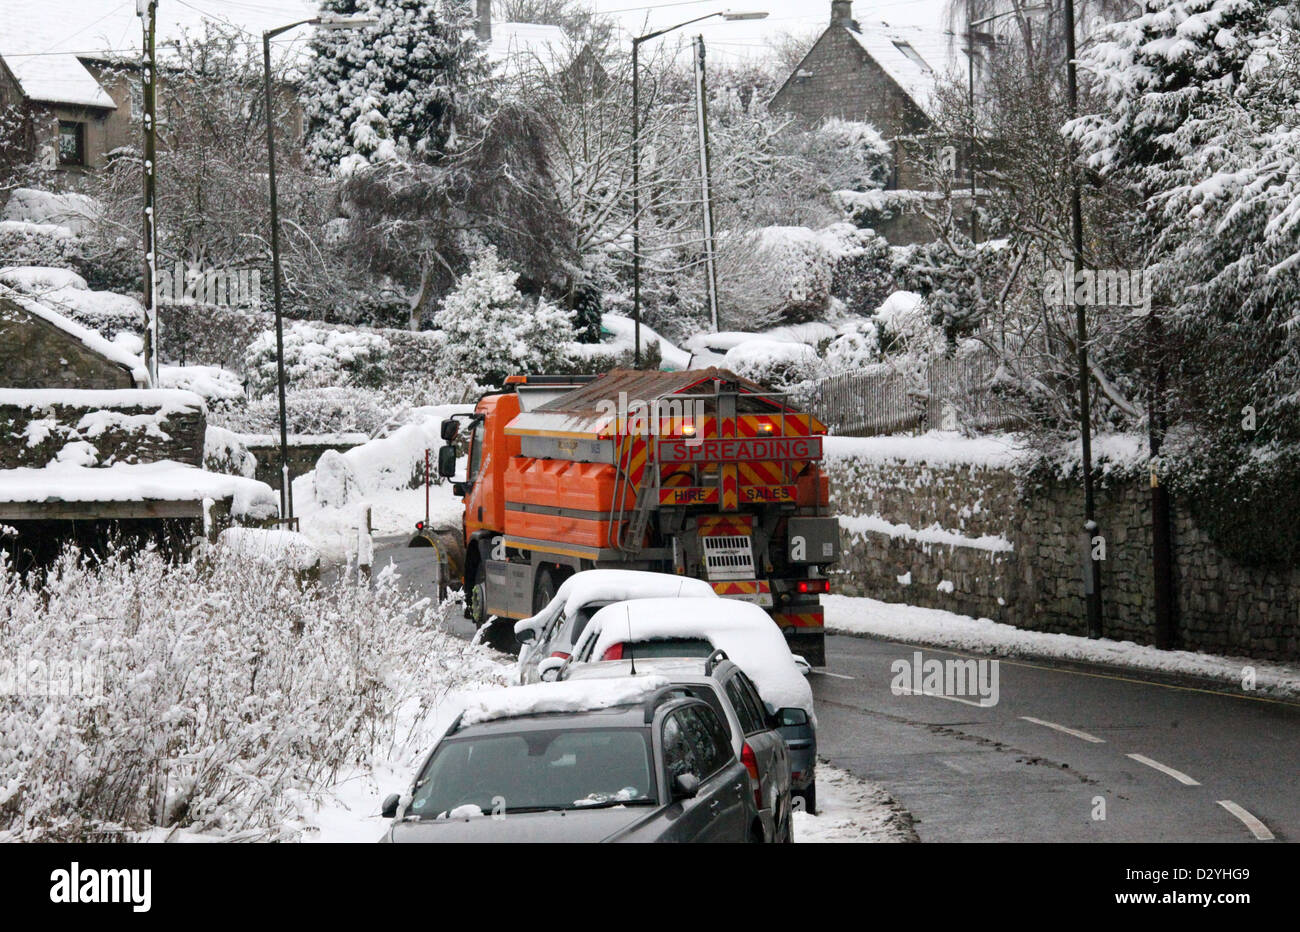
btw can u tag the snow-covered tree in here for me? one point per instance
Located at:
(493, 331)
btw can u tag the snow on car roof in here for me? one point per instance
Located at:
(745, 632)
(538, 698)
(614, 586)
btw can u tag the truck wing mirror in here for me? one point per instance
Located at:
(446, 460)
(450, 428)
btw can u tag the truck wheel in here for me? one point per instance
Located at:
(544, 591)
(809, 795)
(477, 597)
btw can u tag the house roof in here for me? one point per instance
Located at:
(42, 42)
(916, 59)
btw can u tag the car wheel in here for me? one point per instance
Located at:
(809, 795)
(788, 836)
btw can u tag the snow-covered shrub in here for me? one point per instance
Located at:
(773, 364)
(785, 275)
(285, 548)
(33, 244)
(225, 452)
(77, 212)
(223, 695)
(340, 409)
(336, 481)
(856, 156)
(492, 331)
(211, 383)
(856, 346)
(316, 357)
(903, 325)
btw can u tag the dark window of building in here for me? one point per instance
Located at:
(72, 143)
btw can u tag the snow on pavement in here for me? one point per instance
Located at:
(851, 810)
(939, 628)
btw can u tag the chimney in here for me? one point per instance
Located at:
(842, 14)
(483, 28)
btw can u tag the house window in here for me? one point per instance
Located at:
(913, 56)
(72, 143)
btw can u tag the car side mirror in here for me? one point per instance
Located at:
(685, 786)
(449, 429)
(804, 666)
(526, 636)
(447, 461)
(549, 668)
(460, 489)
(389, 810)
(789, 717)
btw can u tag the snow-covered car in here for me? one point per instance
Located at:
(755, 736)
(627, 759)
(691, 627)
(547, 638)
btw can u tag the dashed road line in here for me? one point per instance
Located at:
(903, 690)
(1257, 828)
(1069, 731)
(1176, 774)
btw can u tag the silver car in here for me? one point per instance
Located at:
(661, 769)
(755, 737)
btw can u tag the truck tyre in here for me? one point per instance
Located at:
(476, 598)
(809, 794)
(544, 591)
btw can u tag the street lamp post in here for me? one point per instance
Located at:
(636, 163)
(324, 22)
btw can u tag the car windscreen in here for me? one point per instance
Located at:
(530, 771)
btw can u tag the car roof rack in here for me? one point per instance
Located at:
(715, 658)
(662, 695)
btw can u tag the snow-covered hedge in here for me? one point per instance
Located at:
(315, 357)
(775, 365)
(221, 696)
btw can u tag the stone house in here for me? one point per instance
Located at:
(886, 76)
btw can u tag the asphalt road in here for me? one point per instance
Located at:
(973, 772)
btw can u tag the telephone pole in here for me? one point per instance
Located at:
(706, 193)
(148, 13)
(1092, 571)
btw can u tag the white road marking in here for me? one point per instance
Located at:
(1257, 828)
(903, 690)
(1176, 774)
(1069, 731)
(838, 676)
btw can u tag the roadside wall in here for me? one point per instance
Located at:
(950, 523)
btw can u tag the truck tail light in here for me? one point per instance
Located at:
(805, 586)
(751, 764)
(614, 652)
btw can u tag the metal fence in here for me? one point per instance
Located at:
(947, 394)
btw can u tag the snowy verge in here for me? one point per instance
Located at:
(939, 628)
(851, 810)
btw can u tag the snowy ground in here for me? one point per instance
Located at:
(848, 615)
(851, 810)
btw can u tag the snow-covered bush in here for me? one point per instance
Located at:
(854, 154)
(77, 212)
(856, 346)
(903, 325)
(785, 275)
(773, 364)
(340, 409)
(225, 452)
(492, 331)
(315, 357)
(211, 383)
(222, 696)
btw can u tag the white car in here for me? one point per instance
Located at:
(649, 629)
(547, 638)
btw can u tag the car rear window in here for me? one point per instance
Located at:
(666, 647)
(537, 770)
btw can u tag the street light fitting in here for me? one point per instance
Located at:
(732, 17)
(332, 22)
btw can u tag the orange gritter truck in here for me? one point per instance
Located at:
(697, 473)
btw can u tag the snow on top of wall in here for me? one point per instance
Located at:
(165, 400)
(576, 696)
(934, 534)
(918, 59)
(212, 383)
(936, 448)
(68, 481)
(91, 340)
